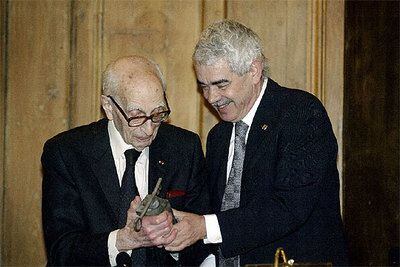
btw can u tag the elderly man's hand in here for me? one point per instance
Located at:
(191, 228)
(156, 230)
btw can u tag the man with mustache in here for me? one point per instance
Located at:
(93, 172)
(271, 161)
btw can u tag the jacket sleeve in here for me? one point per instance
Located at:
(197, 202)
(306, 158)
(67, 237)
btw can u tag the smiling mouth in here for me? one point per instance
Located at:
(221, 105)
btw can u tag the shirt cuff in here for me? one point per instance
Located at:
(209, 261)
(213, 231)
(112, 249)
(175, 256)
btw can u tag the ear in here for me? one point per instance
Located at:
(256, 70)
(105, 103)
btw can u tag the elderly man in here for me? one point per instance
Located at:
(272, 160)
(93, 172)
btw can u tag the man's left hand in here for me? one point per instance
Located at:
(191, 227)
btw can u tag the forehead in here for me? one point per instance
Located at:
(211, 73)
(141, 90)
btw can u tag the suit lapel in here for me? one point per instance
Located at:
(160, 164)
(263, 124)
(103, 167)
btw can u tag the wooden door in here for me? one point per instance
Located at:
(371, 132)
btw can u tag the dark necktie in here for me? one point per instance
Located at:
(128, 185)
(128, 192)
(231, 198)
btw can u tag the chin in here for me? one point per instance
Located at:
(227, 117)
(142, 145)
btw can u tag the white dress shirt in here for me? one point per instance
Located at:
(118, 148)
(212, 225)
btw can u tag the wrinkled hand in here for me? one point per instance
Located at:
(191, 228)
(156, 230)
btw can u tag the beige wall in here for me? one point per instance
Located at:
(53, 52)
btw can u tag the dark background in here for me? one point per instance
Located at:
(371, 132)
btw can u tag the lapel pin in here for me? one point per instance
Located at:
(264, 127)
(161, 162)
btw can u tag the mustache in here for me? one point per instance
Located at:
(221, 102)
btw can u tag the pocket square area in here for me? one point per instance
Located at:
(175, 193)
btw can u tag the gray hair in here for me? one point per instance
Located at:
(111, 78)
(110, 82)
(233, 42)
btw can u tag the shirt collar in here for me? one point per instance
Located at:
(117, 143)
(248, 119)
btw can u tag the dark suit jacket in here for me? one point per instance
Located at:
(81, 190)
(290, 186)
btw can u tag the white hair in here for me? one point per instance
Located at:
(233, 42)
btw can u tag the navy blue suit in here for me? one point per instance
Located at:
(290, 185)
(81, 192)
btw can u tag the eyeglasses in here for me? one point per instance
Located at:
(139, 120)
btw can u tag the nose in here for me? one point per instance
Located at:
(148, 127)
(212, 95)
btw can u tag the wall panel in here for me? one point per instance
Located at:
(281, 26)
(86, 61)
(296, 42)
(57, 50)
(333, 73)
(37, 108)
(182, 33)
(3, 51)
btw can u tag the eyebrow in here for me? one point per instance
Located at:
(214, 83)
(141, 111)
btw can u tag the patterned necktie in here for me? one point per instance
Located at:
(231, 198)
